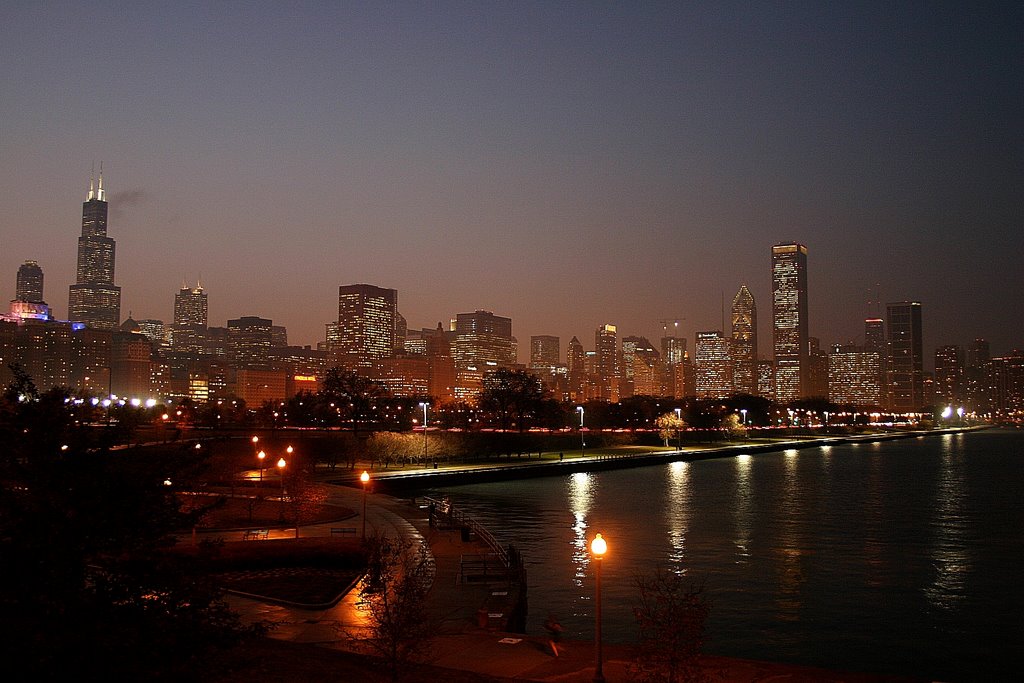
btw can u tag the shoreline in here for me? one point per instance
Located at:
(405, 481)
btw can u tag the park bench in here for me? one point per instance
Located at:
(255, 534)
(343, 531)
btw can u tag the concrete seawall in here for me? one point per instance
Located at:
(399, 482)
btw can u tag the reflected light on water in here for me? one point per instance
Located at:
(581, 496)
(951, 559)
(677, 511)
(743, 509)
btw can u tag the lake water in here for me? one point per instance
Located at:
(899, 557)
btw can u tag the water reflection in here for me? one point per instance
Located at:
(580, 492)
(678, 512)
(789, 550)
(951, 560)
(743, 509)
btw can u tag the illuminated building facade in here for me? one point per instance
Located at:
(743, 344)
(94, 299)
(854, 377)
(545, 351)
(949, 375)
(29, 284)
(1007, 385)
(606, 367)
(906, 357)
(766, 379)
(817, 369)
(575, 363)
(712, 365)
(789, 320)
(188, 333)
(367, 317)
(976, 373)
(249, 341)
(483, 340)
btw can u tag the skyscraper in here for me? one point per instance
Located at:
(483, 340)
(606, 348)
(367, 317)
(949, 375)
(190, 320)
(713, 369)
(249, 341)
(789, 320)
(575, 362)
(29, 286)
(94, 299)
(906, 357)
(743, 346)
(544, 351)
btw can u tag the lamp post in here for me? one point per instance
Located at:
(424, 406)
(583, 444)
(597, 549)
(280, 469)
(365, 479)
(679, 419)
(261, 455)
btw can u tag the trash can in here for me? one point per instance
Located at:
(465, 534)
(481, 618)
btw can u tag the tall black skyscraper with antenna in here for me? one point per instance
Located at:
(94, 299)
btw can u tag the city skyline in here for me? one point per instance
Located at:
(565, 167)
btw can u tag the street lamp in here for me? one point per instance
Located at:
(597, 549)
(679, 418)
(365, 479)
(280, 469)
(583, 444)
(261, 455)
(424, 406)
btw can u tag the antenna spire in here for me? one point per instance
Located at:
(99, 189)
(92, 180)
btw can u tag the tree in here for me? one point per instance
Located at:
(671, 615)
(88, 583)
(304, 497)
(734, 427)
(394, 591)
(512, 394)
(354, 397)
(669, 426)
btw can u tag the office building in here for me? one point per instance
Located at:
(789, 321)
(606, 367)
(249, 341)
(483, 341)
(367, 319)
(949, 375)
(712, 365)
(94, 299)
(854, 377)
(743, 344)
(188, 334)
(29, 285)
(906, 357)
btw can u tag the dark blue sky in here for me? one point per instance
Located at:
(565, 164)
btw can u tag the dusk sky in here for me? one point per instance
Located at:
(565, 164)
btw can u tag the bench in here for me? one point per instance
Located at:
(256, 534)
(343, 531)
